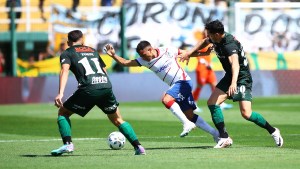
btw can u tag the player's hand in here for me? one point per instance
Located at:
(109, 49)
(211, 48)
(58, 103)
(184, 57)
(232, 89)
(206, 52)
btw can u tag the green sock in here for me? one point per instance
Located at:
(218, 119)
(64, 125)
(216, 114)
(126, 129)
(257, 119)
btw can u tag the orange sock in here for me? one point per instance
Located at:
(196, 93)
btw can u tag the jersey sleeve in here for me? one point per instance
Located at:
(64, 58)
(139, 61)
(231, 49)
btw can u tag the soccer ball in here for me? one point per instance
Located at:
(116, 140)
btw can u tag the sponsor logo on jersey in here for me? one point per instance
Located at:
(111, 108)
(162, 68)
(84, 49)
(97, 80)
(75, 106)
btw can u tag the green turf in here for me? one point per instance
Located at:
(29, 132)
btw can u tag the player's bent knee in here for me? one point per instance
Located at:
(165, 100)
(210, 102)
(64, 112)
(117, 122)
(168, 104)
(246, 115)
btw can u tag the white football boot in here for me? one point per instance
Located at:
(224, 143)
(187, 128)
(277, 137)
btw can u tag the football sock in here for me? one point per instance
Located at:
(203, 125)
(64, 125)
(218, 119)
(196, 93)
(269, 128)
(126, 129)
(176, 110)
(260, 121)
(67, 140)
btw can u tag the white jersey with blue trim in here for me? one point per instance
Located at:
(166, 66)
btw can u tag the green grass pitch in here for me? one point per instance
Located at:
(29, 132)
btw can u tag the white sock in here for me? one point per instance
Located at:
(175, 109)
(206, 127)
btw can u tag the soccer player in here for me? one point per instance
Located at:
(94, 88)
(178, 98)
(236, 83)
(205, 75)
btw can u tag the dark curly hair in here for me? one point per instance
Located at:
(215, 26)
(74, 35)
(142, 45)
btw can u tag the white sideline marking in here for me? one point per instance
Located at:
(81, 139)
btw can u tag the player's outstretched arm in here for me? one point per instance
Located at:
(190, 53)
(109, 49)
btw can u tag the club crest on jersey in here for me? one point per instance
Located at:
(168, 54)
(221, 57)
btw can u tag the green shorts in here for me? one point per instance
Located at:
(82, 101)
(244, 88)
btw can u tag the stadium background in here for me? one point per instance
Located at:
(275, 72)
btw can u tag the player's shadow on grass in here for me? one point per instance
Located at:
(70, 155)
(34, 155)
(168, 148)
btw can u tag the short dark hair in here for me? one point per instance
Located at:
(74, 35)
(142, 45)
(215, 26)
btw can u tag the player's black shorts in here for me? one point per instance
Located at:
(244, 88)
(81, 102)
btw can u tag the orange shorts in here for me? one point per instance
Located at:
(205, 76)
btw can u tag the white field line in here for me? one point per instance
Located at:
(84, 139)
